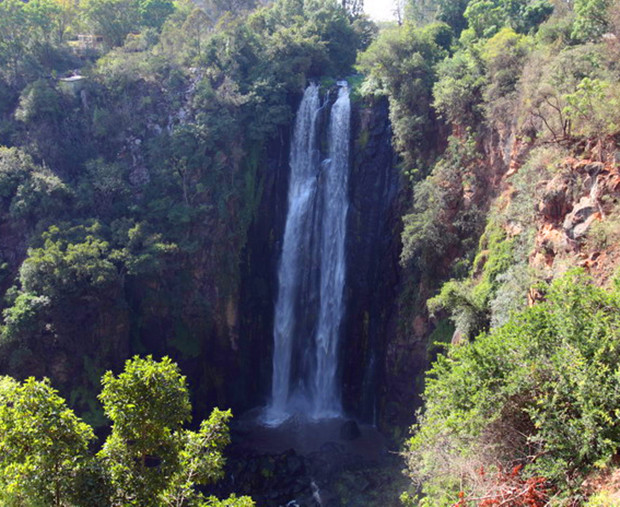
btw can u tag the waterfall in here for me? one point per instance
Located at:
(310, 304)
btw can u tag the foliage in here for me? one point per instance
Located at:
(135, 195)
(401, 64)
(548, 80)
(148, 459)
(500, 278)
(134, 190)
(63, 267)
(458, 91)
(28, 191)
(469, 302)
(452, 12)
(466, 311)
(605, 233)
(593, 109)
(602, 499)
(31, 39)
(539, 391)
(147, 403)
(486, 17)
(440, 219)
(114, 20)
(591, 19)
(23, 318)
(504, 55)
(43, 445)
(323, 21)
(201, 462)
(39, 100)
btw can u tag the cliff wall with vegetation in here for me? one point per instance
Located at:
(505, 115)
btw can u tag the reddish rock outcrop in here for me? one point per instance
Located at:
(578, 197)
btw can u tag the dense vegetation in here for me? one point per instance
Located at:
(148, 458)
(133, 134)
(493, 103)
(538, 393)
(533, 76)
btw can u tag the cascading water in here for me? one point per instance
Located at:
(333, 231)
(310, 304)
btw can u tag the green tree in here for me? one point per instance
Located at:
(148, 459)
(452, 13)
(112, 19)
(324, 20)
(13, 41)
(458, 90)
(115, 19)
(39, 101)
(485, 17)
(148, 404)
(440, 218)
(31, 36)
(29, 191)
(401, 64)
(591, 19)
(504, 55)
(151, 459)
(43, 445)
(65, 268)
(593, 109)
(153, 13)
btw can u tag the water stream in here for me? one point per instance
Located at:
(311, 275)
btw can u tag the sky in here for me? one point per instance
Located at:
(379, 10)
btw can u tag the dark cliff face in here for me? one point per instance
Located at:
(373, 248)
(259, 285)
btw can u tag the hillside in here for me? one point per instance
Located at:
(522, 190)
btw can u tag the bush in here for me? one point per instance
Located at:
(504, 55)
(43, 445)
(541, 392)
(401, 64)
(458, 91)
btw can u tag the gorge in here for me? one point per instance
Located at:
(420, 264)
(336, 268)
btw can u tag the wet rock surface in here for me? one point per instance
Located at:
(349, 431)
(373, 273)
(309, 464)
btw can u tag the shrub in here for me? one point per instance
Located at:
(43, 445)
(541, 391)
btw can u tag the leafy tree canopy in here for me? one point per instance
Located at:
(148, 459)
